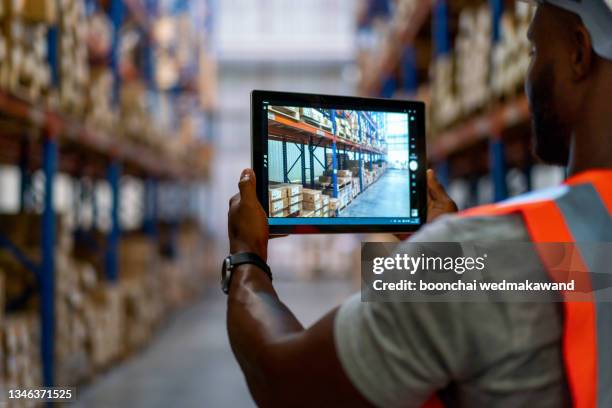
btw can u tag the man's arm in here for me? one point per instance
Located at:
(284, 364)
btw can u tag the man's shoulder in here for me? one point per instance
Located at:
(458, 228)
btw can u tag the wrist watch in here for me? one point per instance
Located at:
(235, 260)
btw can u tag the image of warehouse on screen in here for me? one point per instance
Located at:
(339, 163)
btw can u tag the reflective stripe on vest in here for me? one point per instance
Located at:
(578, 212)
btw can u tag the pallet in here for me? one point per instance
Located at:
(312, 122)
(286, 113)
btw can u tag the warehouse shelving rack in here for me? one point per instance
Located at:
(308, 138)
(35, 136)
(492, 127)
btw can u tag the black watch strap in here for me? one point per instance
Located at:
(244, 258)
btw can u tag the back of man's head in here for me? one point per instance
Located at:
(570, 75)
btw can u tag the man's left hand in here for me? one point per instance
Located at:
(247, 221)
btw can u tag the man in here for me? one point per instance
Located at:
(468, 354)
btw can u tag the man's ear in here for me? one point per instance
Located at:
(582, 52)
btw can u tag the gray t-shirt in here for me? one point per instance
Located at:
(474, 354)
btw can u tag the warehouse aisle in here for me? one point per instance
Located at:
(383, 198)
(190, 364)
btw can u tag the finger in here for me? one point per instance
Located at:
(247, 185)
(434, 188)
(234, 200)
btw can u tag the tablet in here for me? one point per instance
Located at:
(332, 164)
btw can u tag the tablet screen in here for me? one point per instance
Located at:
(339, 165)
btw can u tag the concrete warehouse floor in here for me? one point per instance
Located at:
(387, 197)
(189, 363)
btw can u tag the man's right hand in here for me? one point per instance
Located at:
(438, 201)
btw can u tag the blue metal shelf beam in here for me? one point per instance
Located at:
(409, 70)
(497, 149)
(112, 247)
(47, 270)
(25, 176)
(442, 45)
(116, 16)
(334, 156)
(150, 207)
(22, 258)
(498, 169)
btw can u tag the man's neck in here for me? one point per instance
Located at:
(592, 140)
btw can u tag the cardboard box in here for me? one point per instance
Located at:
(345, 173)
(37, 11)
(311, 196)
(277, 205)
(295, 208)
(281, 213)
(293, 189)
(312, 205)
(277, 192)
(294, 200)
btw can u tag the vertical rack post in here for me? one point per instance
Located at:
(497, 157)
(325, 157)
(116, 15)
(409, 71)
(112, 246)
(443, 173)
(24, 173)
(303, 163)
(285, 164)
(52, 53)
(441, 48)
(311, 150)
(388, 87)
(334, 156)
(359, 154)
(440, 28)
(47, 269)
(94, 205)
(150, 207)
(360, 169)
(498, 167)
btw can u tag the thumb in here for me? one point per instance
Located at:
(436, 190)
(247, 185)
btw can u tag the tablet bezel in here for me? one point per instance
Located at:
(259, 145)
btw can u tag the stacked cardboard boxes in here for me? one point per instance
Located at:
(140, 286)
(21, 355)
(356, 185)
(478, 72)
(73, 57)
(97, 323)
(23, 47)
(100, 113)
(285, 200)
(510, 55)
(313, 203)
(345, 196)
(334, 205)
(473, 48)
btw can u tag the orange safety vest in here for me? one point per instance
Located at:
(578, 211)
